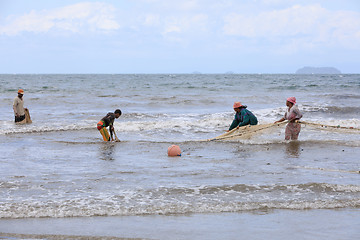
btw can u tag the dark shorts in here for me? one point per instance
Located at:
(19, 119)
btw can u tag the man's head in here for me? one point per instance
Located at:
(290, 101)
(20, 92)
(117, 113)
(237, 106)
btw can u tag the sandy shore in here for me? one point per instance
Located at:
(279, 224)
(57, 237)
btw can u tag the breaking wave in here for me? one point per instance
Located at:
(181, 200)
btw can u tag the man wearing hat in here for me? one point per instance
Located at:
(242, 116)
(292, 114)
(19, 109)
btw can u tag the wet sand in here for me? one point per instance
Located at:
(272, 224)
(57, 237)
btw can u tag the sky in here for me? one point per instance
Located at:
(178, 36)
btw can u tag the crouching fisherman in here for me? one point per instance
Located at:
(242, 117)
(22, 114)
(108, 121)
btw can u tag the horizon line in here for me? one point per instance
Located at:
(164, 73)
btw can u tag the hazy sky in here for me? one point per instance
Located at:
(178, 36)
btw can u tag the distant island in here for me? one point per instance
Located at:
(318, 70)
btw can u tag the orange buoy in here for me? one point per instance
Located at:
(174, 151)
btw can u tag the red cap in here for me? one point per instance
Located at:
(237, 105)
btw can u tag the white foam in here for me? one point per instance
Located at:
(185, 127)
(179, 200)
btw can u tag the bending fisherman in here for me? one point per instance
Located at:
(242, 117)
(108, 121)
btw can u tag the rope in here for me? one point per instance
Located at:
(249, 130)
(328, 126)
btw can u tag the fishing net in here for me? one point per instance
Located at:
(248, 131)
(331, 128)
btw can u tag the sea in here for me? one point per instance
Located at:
(60, 180)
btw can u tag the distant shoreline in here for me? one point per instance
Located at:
(318, 70)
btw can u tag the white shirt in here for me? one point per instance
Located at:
(18, 106)
(293, 113)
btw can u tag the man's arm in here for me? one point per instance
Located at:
(233, 124)
(111, 129)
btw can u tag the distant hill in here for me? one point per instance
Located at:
(318, 70)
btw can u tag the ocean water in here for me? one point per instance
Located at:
(58, 168)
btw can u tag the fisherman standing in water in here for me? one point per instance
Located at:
(108, 121)
(21, 114)
(242, 117)
(292, 114)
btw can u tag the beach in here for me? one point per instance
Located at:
(59, 178)
(278, 224)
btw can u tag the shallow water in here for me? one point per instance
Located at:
(54, 177)
(58, 170)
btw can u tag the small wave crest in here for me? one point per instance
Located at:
(190, 127)
(180, 200)
(11, 128)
